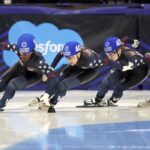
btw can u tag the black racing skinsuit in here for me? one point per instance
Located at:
(124, 79)
(85, 70)
(22, 74)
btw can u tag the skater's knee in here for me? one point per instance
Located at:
(62, 89)
(15, 84)
(117, 94)
(105, 82)
(52, 84)
(10, 90)
(109, 80)
(2, 85)
(11, 85)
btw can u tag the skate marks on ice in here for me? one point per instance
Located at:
(15, 107)
(102, 112)
(126, 126)
(69, 107)
(73, 99)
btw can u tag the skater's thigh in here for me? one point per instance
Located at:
(87, 75)
(70, 71)
(32, 78)
(6, 77)
(22, 82)
(135, 77)
(19, 82)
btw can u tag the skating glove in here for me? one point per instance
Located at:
(128, 67)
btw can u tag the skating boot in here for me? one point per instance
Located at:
(2, 104)
(44, 102)
(112, 102)
(49, 107)
(39, 100)
(95, 102)
(34, 101)
(53, 102)
(145, 103)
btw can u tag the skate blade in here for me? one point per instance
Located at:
(143, 104)
(32, 105)
(111, 106)
(83, 106)
(96, 106)
(43, 108)
(51, 110)
(33, 102)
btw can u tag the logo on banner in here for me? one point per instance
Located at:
(49, 40)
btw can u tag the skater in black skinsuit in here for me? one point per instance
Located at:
(129, 68)
(84, 66)
(29, 70)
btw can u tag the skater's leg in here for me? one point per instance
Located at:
(111, 79)
(44, 99)
(6, 77)
(132, 79)
(13, 85)
(117, 94)
(55, 90)
(3, 85)
(51, 86)
(74, 80)
(16, 84)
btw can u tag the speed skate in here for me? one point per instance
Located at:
(74, 101)
(145, 103)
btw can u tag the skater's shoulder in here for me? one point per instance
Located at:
(130, 52)
(37, 55)
(87, 52)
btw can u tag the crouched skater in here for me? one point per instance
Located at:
(29, 70)
(129, 68)
(84, 66)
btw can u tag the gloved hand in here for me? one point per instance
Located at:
(128, 67)
(44, 78)
(45, 99)
(136, 43)
(52, 74)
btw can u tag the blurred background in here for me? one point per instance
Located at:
(74, 1)
(90, 22)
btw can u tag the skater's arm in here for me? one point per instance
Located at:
(56, 60)
(135, 43)
(144, 46)
(46, 70)
(9, 47)
(90, 59)
(135, 59)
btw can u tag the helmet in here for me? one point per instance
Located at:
(112, 44)
(71, 48)
(26, 43)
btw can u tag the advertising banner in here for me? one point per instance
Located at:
(53, 31)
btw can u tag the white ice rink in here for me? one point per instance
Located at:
(70, 128)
